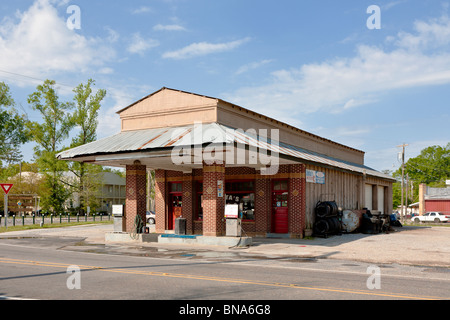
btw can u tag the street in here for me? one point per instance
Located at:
(46, 268)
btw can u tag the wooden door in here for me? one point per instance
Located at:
(280, 212)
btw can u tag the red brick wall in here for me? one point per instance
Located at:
(296, 202)
(188, 202)
(263, 205)
(212, 223)
(135, 205)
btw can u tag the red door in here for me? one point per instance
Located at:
(280, 216)
(175, 209)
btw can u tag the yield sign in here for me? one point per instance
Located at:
(6, 187)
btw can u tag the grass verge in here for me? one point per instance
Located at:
(49, 226)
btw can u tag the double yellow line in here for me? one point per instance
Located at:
(217, 279)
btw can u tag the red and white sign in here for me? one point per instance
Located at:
(6, 187)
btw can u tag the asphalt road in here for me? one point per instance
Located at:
(37, 268)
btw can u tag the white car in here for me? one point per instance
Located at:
(150, 216)
(436, 217)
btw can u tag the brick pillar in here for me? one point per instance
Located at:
(297, 200)
(160, 201)
(136, 196)
(263, 205)
(213, 206)
(188, 202)
(422, 192)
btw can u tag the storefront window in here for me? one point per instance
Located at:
(242, 193)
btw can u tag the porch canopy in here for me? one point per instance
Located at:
(185, 148)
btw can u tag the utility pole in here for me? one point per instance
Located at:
(403, 146)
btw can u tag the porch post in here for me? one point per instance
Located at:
(213, 203)
(136, 196)
(188, 204)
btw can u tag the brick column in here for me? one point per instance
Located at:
(263, 203)
(188, 202)
(297, 200)
(136, 186)
(160, 201)
(213, 206)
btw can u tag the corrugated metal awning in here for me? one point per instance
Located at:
(198, 135)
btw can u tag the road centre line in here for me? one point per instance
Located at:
(246, 263)
(216, 279)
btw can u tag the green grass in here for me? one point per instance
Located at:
(49, 226)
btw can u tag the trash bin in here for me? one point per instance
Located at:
(180, 226)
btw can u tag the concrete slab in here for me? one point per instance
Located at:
(202, 240)
(133, 238)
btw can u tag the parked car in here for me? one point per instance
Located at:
(435, 217)
(150, 216)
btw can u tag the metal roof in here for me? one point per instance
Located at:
(213, 133)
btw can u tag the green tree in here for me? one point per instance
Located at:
(49, 137)
(85, 118)
(12, 133)
(431, 166)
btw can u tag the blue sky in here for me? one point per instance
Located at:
(312, 64)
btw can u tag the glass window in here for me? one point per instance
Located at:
(176, 187)
(280, 185)
(246, 203)
(242, 193)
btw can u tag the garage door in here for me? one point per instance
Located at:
(368, 197)
(380, 199)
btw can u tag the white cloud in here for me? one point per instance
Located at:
(203, 48)
(37, 42)
(139, 45)
(252, 66)
(169, 27)
(414, 59)
(142, 9)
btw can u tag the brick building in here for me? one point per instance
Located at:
(208, 153)
(434, 199)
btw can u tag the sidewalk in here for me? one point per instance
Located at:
(423, 246)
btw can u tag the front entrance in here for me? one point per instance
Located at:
(280, 209)
(175, 204)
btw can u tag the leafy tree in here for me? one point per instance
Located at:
(85, 117)
(12, 133)
(431, 166)
(49, 137)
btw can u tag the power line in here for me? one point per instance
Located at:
(34, 78)
(59, 83)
